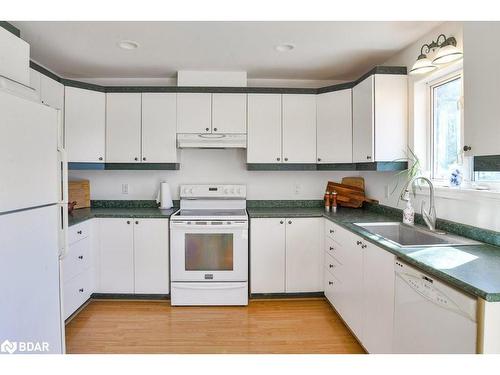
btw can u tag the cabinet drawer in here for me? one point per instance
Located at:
(78, 232)
(330, 229)
(76, 292)
(335, 250)
(333, 266)
(335, 232)
(332, 287)
(77, 259)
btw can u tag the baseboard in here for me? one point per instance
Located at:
(287, 295)
(130, 296)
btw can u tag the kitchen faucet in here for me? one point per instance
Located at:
(429, 216)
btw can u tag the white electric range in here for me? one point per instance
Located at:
(209, 246)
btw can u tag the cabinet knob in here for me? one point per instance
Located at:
(215, 129)
(358, 242)
(330, 283)
(144, 158)
(80, 290)
(278, 159)
(319, 159)
(207, 129)
(332, 231)
(128, 221)
(79, 232)
(281, 221)
(100, 157)
(289, 221)
(331, 265)
(137, 222)
(286, 159)
(136, 159)
(80, 256)
(368, 157)
(467, 148)
(363, 246)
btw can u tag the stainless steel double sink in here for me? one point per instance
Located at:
(405, 236)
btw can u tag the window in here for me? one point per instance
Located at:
(446, 125)
(487, 176)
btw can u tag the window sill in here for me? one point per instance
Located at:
(459, 193)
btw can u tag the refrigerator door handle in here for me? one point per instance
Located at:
(63, 171)
(63, 232)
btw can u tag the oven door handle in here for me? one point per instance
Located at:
(208, 286)
(182, 225)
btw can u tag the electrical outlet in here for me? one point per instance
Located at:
(124, 188)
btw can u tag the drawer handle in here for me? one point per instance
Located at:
(332, 248)
(332, 266)
(330, 283)
(363, 246)
(80, 256)
(80, 290)
(79, 232)
(358, 242)
(332, 231)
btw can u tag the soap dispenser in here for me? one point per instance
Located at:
(408, 212)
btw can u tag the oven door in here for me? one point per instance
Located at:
(209, 251)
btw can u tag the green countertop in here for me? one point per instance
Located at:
(474, 269)
(82, 214)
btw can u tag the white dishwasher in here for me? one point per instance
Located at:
(430, 316)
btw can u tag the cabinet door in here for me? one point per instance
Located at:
(267, 256)
(117, 256)
(264, 128)
(194, 113)
(363, 121)
(481, 82)
(229, 113)
(378, 297)
(35, 80)
(391, 117)
(85, 119)
(159, 115)
(123, 127)
(334, 127)
(299, 128)
(351, 278)
(151, 261)
(304, 260)
(51, 92)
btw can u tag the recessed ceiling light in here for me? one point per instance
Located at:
(284, 47)
(128, 44)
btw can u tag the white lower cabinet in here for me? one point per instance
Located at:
(285, 255)
(77, 272)
(134, 256)
(359, 283)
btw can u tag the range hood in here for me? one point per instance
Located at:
(211, 140)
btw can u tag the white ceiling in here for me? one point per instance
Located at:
(324, 50)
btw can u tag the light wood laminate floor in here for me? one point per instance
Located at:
(265, 326)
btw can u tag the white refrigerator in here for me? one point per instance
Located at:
(33, 222)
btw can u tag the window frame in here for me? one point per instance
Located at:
(432, 84)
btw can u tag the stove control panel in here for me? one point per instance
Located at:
(213, 191)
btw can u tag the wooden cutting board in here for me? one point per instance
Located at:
(354, 181)
(349, 196)
(79, 192)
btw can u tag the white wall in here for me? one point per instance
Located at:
(211, 166)
(470, 207)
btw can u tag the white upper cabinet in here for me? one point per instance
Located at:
(299, 128)
(481, 83)
(379, 105)
(229, 113)
(334, 127)
(51, 92)
(264, 128)
(85, 125)
(35, 80)
(123, 127)
(14, 57)
(194, 113)
(159, 127)
(304, 255)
